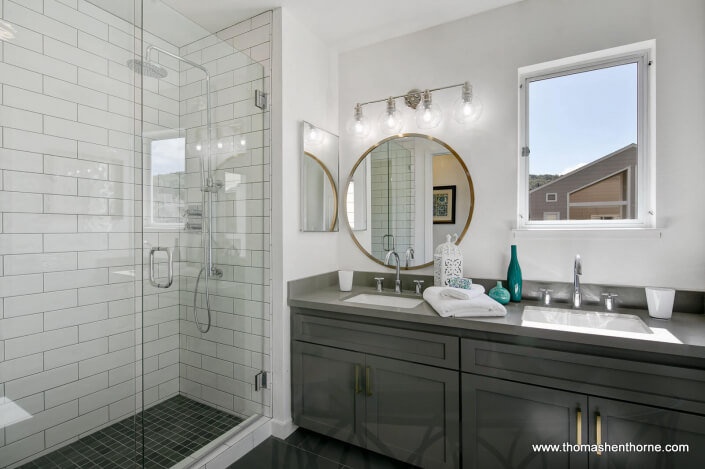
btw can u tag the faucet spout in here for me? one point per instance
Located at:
(397, 284)
(577, 272)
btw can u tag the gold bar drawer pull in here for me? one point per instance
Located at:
(358, 389)
(579, 418)
(598, 432)
(368, 386)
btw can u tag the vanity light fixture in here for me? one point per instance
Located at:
(467, 108)
(358, 124)
(429, 115)
(391, 120)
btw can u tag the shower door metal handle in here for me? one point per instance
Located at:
(170, 263)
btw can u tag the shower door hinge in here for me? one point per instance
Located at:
(261, 99)
(525, 151)
(261, 380)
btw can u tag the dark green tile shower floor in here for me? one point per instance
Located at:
(173, 429)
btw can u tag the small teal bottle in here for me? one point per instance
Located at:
(514, 276)
(500, 294)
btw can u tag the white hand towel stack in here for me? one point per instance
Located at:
(462, 293)
(460, 303)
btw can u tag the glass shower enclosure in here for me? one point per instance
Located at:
(134, 207)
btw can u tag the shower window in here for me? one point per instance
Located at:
(166, 179)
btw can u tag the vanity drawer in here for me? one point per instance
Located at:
(655, 384)
(414, 346)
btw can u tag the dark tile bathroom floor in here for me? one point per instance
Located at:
(173, 429)
(309, 450)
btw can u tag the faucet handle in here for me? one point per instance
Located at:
(419, 286)
(379, 283)
(545, 296)
(609, 300)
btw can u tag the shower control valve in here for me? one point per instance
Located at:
(216, 272)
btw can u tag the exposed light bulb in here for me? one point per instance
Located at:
(198, 147)
(220, 145)
(467, 108)
(358, 124)
(428, 114)
(391, 120)
(243, 141)
(312, 134)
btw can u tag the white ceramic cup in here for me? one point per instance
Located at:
(345, 280)
(660, 301)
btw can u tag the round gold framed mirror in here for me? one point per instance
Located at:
(314, 169)
(406, 193)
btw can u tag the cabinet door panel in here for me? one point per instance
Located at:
(624, 423)
(413, 412)
(325, 397)
(502, 420)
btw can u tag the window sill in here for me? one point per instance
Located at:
(586, 233)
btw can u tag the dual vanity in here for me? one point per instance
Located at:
(385, 372)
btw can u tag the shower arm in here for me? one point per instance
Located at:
(147, 52)
(207, 182)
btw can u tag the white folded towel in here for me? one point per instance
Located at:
(479, 306)
(463, 293)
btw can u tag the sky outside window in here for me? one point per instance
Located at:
(579, 118)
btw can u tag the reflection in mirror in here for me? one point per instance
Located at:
(319, 180)
(413, 189)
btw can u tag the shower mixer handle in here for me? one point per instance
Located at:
(170, 263)
(212, 186)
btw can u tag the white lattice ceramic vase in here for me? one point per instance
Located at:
(447, 262)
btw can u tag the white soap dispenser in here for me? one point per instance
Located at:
(447, 262)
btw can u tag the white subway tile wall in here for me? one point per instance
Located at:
(219, 367)
(71, 213)
(70, 228)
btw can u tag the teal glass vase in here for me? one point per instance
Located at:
(500, 294)
(514, 276)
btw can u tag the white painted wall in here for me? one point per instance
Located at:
(304, 87)
(488, 49)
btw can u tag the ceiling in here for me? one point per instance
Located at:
(344, 24)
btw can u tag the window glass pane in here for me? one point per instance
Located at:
(583, 140)
(166, 185)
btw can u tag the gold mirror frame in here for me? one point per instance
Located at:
(370, 150)
(332, 185)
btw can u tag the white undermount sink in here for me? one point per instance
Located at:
(385, 300)
(594, 322)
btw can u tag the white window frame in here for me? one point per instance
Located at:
(554, 199)
(643, 53)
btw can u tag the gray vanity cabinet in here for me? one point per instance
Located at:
(622, 422)
(390, 390)
(413, 412)
(503, 419)
(327, 391)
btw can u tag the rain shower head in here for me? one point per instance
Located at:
(148, 69)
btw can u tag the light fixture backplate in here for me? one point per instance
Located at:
(413, 98)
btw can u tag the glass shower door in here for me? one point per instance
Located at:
(205, 214)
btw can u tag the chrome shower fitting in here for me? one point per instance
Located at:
(209, 187)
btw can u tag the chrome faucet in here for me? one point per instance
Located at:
(409, 255)
(577, 272)
(397, 284)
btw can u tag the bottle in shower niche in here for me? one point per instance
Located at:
(514, 276)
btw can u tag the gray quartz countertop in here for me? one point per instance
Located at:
(688, 328)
